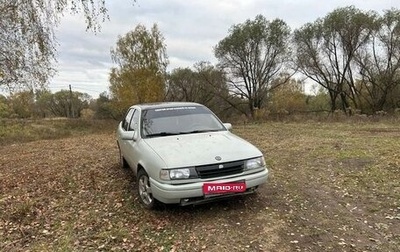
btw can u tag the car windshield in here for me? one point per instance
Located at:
(179, 120)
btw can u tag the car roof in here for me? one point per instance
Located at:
(165, 105)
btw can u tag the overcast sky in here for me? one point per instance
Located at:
(191, 29)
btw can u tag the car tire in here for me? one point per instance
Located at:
(122, 162)
(144, 190)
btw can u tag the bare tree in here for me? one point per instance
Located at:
(326, 51)
(379, 62)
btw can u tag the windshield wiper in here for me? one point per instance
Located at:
(199, 131)
(180, 133)
(162, 134)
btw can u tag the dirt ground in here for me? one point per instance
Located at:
(332, 187)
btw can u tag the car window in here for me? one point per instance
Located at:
(128, 118)
(135, 121)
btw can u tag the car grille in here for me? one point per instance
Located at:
(216, 170)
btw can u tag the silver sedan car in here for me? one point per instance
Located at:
(181, 153)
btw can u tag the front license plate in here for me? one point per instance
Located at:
(221, 188)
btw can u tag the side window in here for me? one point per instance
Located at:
(128, 117)
(135, 121)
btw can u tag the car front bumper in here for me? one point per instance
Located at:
(192, 193)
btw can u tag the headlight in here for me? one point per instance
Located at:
(254, 163)
(181, 173)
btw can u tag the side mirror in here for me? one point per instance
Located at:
(228, 126)
(127, 135)
(135, 135)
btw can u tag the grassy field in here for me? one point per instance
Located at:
(333, 187)
(20, 131)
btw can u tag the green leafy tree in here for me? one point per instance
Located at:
(204, 84)
(22, 104)
(199, 85)
(140, 76)
(5, 109)
(181, 85)
(318, 102)
(66, 104)
(102, 107)
(43, 103)
(253, 55)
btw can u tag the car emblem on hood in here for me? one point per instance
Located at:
(218, 158)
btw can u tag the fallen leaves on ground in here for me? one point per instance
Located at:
(332, 187)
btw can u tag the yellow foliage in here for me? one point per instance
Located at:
(287, 98)
(138, 86)
(140, 76)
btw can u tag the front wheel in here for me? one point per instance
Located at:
(144, 190)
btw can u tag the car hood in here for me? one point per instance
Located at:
(201, 149)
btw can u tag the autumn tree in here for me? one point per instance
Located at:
(27, 38)
(102, 107)
(288, 98)
(22, 104)
(318, 101)
(63, 103)
(141, 61)
(326, 51)
(253, 55)
(43, 103)
(5, 109)
(204, 84)
(198, 85)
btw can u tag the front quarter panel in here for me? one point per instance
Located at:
(148, 159)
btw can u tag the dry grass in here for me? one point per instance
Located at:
(333, 187)
(22, 130)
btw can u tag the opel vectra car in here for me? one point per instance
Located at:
(181, 153)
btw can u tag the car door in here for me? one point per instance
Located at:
(131, 146)
(122, 129)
